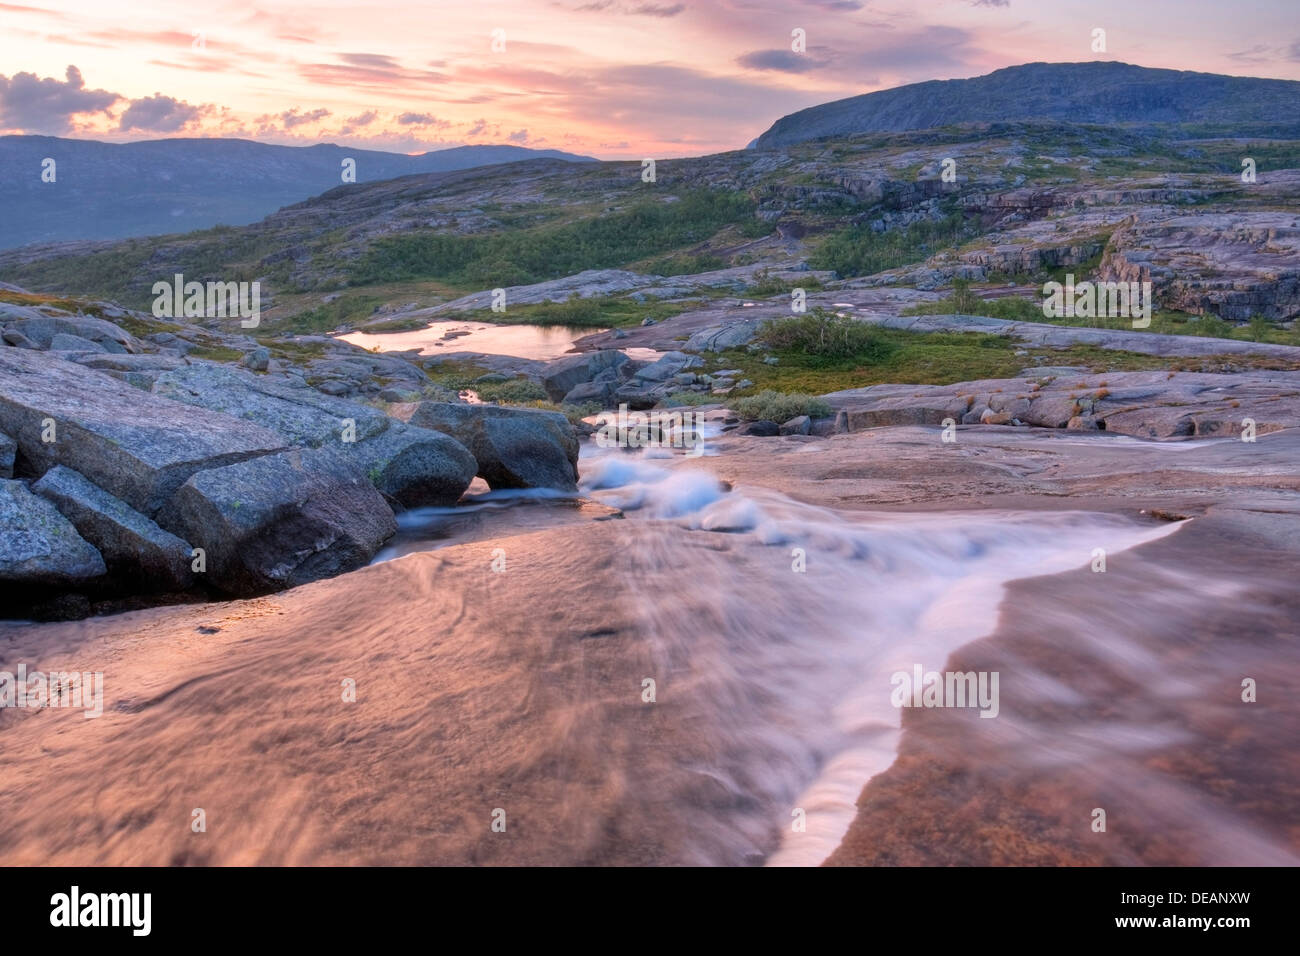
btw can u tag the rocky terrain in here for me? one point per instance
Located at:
(132, 467)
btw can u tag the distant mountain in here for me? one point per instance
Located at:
(115, 191)
(1098, 93)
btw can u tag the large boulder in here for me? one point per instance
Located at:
(411, 466)
(414, 466)
(514, 447)
(561, 376)
(137, 446)
(141, 555)
(280, 520)
(39, 548)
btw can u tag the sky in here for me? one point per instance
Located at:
(615, 79)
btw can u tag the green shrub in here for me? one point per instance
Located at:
(1213, 326)
(1260, 328)
(861, 250)
(576, 311)
(825, 335)
(780, 407)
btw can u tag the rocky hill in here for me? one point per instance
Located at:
(1101, 92)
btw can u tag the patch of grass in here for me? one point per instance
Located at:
(216, 353)
(396, 325)
(456, 375)
(766, 285)
(595, 312)
(517, 391)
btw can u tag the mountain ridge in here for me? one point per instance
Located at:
(1103, 92)
(152, 187)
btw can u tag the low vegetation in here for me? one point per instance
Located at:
(780, 407)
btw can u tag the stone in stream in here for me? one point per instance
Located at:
(759, 429)
(135, 549)
(514, 447)
(594, 391)
(39, 548)
(136, 446)
(800, 425)
(280, 520)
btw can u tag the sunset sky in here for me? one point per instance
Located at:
(608, 78)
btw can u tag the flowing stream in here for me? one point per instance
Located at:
(788, 659)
